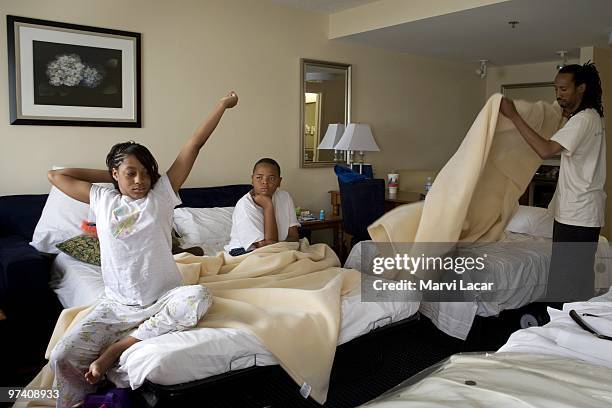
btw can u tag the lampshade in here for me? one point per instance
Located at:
(332, 136)
(357, 136)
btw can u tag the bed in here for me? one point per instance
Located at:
(556, 365)
(518, 265)
(182, 357)
(206, 360)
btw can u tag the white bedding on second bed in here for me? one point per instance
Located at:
(180, 357)
(563, 337)
(518, 267)
(557, 365)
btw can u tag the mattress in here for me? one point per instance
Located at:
(180, 357)
(518, 266)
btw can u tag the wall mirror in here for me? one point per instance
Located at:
(325, 98)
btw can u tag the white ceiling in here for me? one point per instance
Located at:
(545, 26)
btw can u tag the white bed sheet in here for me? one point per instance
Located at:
(563, 337)
(519, 270)
(76, 283)
(195, 354)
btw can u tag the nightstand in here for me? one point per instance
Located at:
(333, 222)
(402, 197)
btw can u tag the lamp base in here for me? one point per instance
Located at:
(357, 167)
(362, 168)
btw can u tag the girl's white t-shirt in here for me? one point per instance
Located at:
(135, 243)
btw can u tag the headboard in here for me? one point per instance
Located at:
(206, 197)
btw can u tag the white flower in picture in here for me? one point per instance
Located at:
(65, 70)
(92, 77)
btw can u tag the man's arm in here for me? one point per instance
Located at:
(180, 169)
(76, 183)
(544, 148)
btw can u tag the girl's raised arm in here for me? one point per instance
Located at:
(180, 169)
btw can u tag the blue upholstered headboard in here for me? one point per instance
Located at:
(206, 197)
(19, 214)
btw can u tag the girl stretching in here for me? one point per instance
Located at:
(143, 296)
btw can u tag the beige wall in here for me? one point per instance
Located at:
(194, 51)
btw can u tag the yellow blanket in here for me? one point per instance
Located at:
(288, 298)
(477, 191)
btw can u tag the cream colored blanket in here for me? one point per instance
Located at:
(288, 298)
(477, 191)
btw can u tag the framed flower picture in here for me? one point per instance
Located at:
(72, 75)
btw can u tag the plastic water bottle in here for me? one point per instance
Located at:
(428, 185)
(322, 215)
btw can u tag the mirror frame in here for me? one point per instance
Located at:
(347, 105)
(526, 85)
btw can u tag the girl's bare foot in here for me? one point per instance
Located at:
(107, 359)
(98, 368)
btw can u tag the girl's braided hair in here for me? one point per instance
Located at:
(118, 152)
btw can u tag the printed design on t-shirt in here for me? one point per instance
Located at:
(123, 221)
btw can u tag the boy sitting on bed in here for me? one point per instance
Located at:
(265, 215)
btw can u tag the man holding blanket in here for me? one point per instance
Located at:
(579, 201)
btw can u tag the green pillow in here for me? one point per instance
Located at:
(83, 248)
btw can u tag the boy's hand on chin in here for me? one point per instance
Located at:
(261, 200)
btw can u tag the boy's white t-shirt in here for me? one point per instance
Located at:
(580, 198)
(248, 220)
(135, 243)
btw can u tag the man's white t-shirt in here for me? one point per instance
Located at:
(135, 243)
(580, 198)
(248, 220)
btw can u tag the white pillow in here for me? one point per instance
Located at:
(203, 226)
(60, 220)
(533, 221)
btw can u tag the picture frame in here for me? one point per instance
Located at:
(64, 74)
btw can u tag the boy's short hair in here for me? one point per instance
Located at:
(267, 160)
